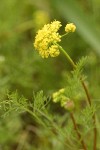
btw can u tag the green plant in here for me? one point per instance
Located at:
(46, 43)
(67, 117)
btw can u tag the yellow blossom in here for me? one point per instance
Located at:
(54, 51)
(70, 27)
(62, 90)
(46, 39)
(61, 97)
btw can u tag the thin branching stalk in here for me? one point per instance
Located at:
(78, 133)
(93, 117)
(86, 91)
(95, 132)
(87, 94)
(68, 57)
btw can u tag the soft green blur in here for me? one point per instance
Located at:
(24, 71)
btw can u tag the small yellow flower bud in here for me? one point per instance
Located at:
(70, 27)
(54, 51)
(58, 96)
(62, 90)
(64, 100)
(55, 97)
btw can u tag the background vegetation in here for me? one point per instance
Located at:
(23, 72)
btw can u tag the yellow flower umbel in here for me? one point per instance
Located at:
(57, 96)
(46, 39)
(65, 102)
(70, 27)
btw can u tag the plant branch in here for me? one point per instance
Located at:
(87, 94)
(93, 117)
(95, 132)
(68, 57)
(78, 133)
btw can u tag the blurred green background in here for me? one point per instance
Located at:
(22, 69)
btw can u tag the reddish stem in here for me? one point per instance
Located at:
(93, 117)
(78, 133)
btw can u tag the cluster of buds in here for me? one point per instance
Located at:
(70, 27)
(65, 102)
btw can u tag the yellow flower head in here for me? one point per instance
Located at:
(65, 102)
(70, 27)
(46, 39)
(57, 96)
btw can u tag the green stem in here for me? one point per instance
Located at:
(64, 35)
(68, 57)
(35, 116)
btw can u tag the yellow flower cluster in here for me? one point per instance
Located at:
(65, 102)
(70, 27)
(57, 96)
(46, 39)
